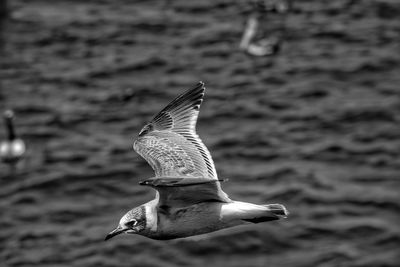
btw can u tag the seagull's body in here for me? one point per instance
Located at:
(189, 199)
(201, 218)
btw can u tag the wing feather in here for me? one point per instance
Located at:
(169, 143)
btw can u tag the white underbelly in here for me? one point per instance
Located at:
(194, 220)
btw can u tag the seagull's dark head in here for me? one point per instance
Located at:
(133, 222)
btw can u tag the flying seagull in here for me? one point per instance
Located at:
(189, 200)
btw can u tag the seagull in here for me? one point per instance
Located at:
(189, 200)
(12, 149)
(264, 47)
(271, 6)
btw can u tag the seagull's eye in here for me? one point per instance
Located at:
(132, 223)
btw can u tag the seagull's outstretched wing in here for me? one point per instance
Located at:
(183, 192)
(170, 145)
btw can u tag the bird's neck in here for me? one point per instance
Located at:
(151, 216)
(10, 129)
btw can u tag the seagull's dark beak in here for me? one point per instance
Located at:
(114, 232)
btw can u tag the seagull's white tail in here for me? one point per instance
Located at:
(273, 212)
(253, 213)
(278, 210)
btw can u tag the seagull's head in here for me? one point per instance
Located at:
(133, 222)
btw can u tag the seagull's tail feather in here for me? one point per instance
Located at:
(274, 212)
(256, 213)
(278, 210)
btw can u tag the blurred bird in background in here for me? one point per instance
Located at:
(13, 148)
(261, 37)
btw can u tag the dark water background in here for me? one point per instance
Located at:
(316, 128)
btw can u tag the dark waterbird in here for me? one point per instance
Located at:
(13, 148)
(189, 200)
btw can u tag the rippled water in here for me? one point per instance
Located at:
(315, 128)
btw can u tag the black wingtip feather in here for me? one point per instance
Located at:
(190, 98)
